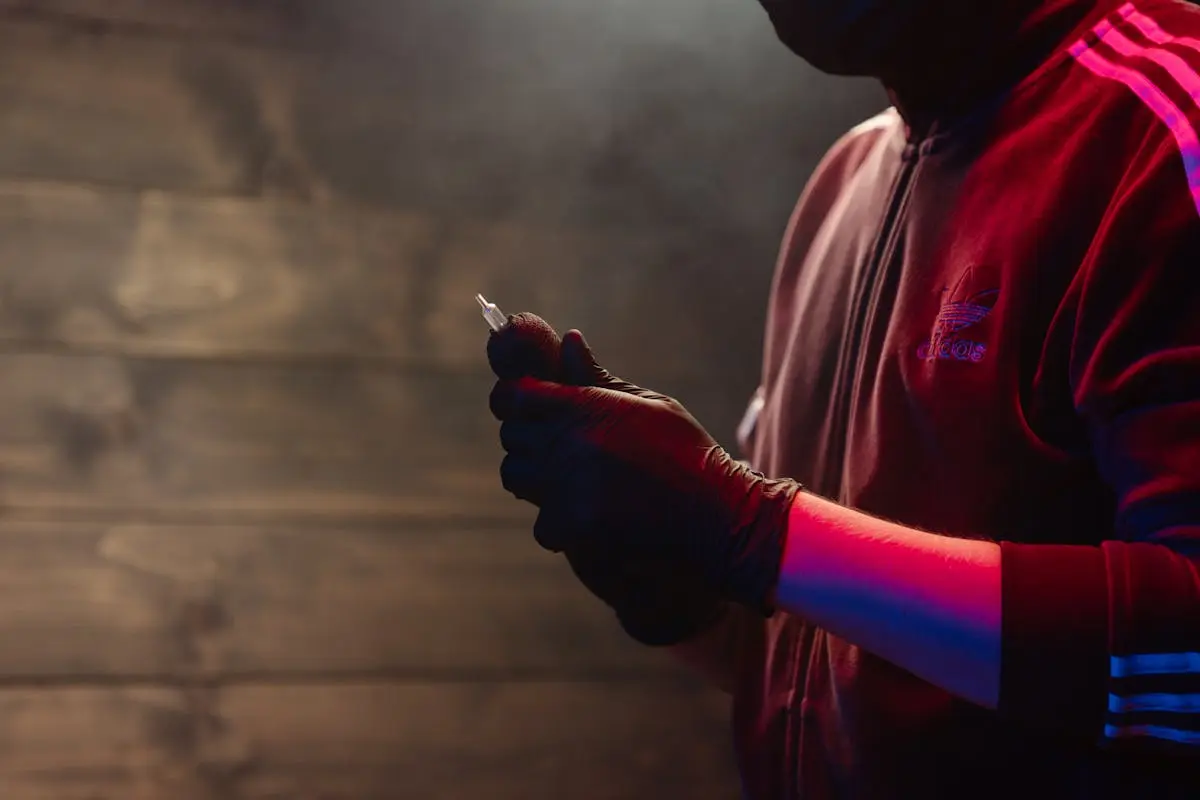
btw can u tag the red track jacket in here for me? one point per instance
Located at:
(990, 327)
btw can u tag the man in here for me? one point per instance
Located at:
(975, 571)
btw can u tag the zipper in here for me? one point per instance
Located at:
(867, 297)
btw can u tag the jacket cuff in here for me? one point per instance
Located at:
(1055, 623)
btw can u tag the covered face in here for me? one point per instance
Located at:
(883, 38)
(842, 38)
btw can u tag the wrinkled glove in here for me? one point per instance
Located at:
(657, 603)
(621, 470)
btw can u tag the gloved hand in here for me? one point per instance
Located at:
(657, 603)
(622, 470)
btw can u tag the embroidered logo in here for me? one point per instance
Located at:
(959, 312)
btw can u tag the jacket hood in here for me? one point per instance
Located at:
(934, 56)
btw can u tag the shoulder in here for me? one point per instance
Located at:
(1140, 88)
(1148, 37)
(849, 152)
(837, 170)
(1146, 54)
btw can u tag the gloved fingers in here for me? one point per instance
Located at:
(600, 571)
(579, 365)
(555, 528)
(520, 437)
(524, 478)
(527, 346)
(499, 400)
(580, 368)
(532, 399)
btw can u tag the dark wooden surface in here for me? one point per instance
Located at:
(118, 436)
(194, 277)
(235, 18)
(252, 540)
(162, 602)
(363, 741)
(659, 248)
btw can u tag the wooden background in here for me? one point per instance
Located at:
(252, 541)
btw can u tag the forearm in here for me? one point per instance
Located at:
(930, 604)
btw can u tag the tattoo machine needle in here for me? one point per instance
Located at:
(494, 317)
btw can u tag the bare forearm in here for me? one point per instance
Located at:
(929, 604)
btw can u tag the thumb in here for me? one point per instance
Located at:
(579, 364)
(580, 368)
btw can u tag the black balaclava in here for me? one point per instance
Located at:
(929, 53)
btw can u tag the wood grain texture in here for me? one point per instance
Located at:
(152, 602)
(373, 741)
(95, 435)
(253, 544)
(595, 127)
(675, 262)
(167, 275)
(258, 19)
(77, 106)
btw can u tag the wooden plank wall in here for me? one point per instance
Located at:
(252, 543)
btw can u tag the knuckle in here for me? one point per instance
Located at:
(508, 468)
(547, 531)
(497, 400)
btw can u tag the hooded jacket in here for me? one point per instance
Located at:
(985, 322)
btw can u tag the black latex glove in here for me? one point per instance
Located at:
(622, 470)
(657, 603)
